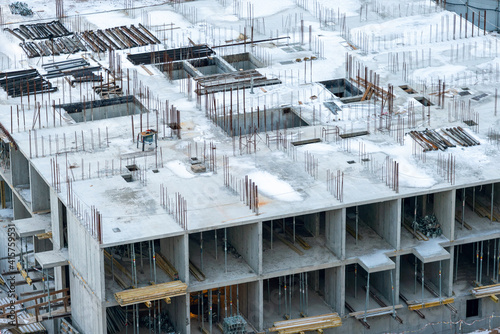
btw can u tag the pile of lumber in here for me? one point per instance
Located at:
(316, 323)
(150, 293)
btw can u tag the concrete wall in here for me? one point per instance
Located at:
(334, 288)
(19, 167)
(247, 239)
(86, 278)
(335, 224)
(40, 194)
(444, 209)
(384, 218)
(255, 304)
(175, 249)
(383, 283)
(19, 209)
(178, 313)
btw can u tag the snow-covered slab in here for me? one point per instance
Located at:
(32, 226)
(51, 259)
(376, 262)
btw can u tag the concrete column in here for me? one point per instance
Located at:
(335, 288)
(444, 209)
(247, 239)
(174, 250)
(335, 230)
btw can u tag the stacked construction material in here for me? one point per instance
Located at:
(24, 82)
(20, 8)
(151, 293)
(317, 323)
(432, 140)
(197, 51)
(76, 67)
(486, 291)
(234, 325)
(40, 30)
(428, 226)
(47, 39)
(54, 47)
(209, 84)
(118, 38)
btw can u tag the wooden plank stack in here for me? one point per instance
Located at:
(308, 324)
(150, 293)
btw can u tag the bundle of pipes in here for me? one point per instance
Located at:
(75, 67)
(301, 325)
(192, 52)
(432, 140)
(40, 31)
(209, 84)
(54, 47)
(151, 293)
(486, 291)
(24, 82)
(118, 38)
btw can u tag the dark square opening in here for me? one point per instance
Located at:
(132, 168)
(424, 101)
(341, 88)
(472, 308)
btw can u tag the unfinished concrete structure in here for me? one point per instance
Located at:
(314, 170)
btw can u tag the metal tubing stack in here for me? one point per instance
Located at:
(24, 82)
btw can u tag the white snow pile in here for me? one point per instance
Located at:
(271, 186)
(179, 169)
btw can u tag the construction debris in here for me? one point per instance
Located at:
(20, 8)
(428, 226)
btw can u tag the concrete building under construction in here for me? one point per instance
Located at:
(246, 166)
